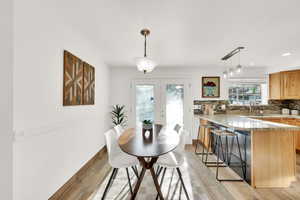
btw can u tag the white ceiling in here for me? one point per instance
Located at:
(190, 32)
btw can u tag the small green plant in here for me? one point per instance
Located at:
(147, 122)
(118, 115)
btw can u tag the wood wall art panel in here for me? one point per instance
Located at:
(88, 84)
(79, 81)
(73, 80)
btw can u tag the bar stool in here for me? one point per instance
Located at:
(206, 126)
(210, 140)
(208, 152)
(227, 158)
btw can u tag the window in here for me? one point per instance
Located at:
(246, 93)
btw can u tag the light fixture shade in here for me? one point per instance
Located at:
(225, 74)
(231, 72)
(145, 64)
(238, 69)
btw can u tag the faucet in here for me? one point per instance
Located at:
(251, 106)
(252, 109)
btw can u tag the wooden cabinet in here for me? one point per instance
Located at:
(284, 85)
(289, 121)
(291, 84)
(275, 86)
(295, 122)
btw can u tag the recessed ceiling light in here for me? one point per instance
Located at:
(286, 54)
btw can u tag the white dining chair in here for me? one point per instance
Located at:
(118, 160)
(173, 160)
(119, 129)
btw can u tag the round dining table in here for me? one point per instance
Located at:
(147, 148)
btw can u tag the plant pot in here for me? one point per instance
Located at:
(147, 131)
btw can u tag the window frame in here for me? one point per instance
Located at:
(241, 83)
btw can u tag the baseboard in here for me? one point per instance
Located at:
(78, 176)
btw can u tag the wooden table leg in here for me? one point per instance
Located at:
(156, 184)
(147, 165)
(138, 183)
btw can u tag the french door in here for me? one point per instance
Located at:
(163, 101)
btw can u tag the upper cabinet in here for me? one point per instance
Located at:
(291, 84)
(275, 86)
(284, 85)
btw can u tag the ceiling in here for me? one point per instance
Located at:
(190, 32)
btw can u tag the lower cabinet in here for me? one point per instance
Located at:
(289, 121)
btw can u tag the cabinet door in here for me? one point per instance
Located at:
(275, 86)
(297, 136)
(291, 84)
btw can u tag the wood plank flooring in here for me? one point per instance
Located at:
(89, 184)
(85, 182)
(243, 191)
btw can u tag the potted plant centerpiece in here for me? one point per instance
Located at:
(147, 127)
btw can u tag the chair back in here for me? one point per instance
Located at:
(182, 135)
(158, 127)
(177, 128)
(112, 145)
(119, 130)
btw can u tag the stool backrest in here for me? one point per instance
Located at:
(158, 127)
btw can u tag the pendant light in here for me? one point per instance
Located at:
(145, 64)
(231, 72)
(225, 74)
(238, 68)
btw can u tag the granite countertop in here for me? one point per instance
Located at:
(274, 116)
(247, 123)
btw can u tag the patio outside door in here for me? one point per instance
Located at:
(162, 101)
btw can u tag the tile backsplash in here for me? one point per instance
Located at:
(274, 106)
(218, 105)
(290, 104)
(235, 109)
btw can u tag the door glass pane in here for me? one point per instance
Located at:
(174, 104)
(144, 103)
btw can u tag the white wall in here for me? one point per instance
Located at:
(6, 80)
(121, 78)
(52, 142)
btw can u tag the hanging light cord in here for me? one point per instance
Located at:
(239, 56)
(145, 46)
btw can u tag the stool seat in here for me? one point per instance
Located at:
(223, 133)
(207, 126)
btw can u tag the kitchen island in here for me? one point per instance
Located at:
(268, 147)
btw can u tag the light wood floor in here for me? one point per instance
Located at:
(89, 184)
